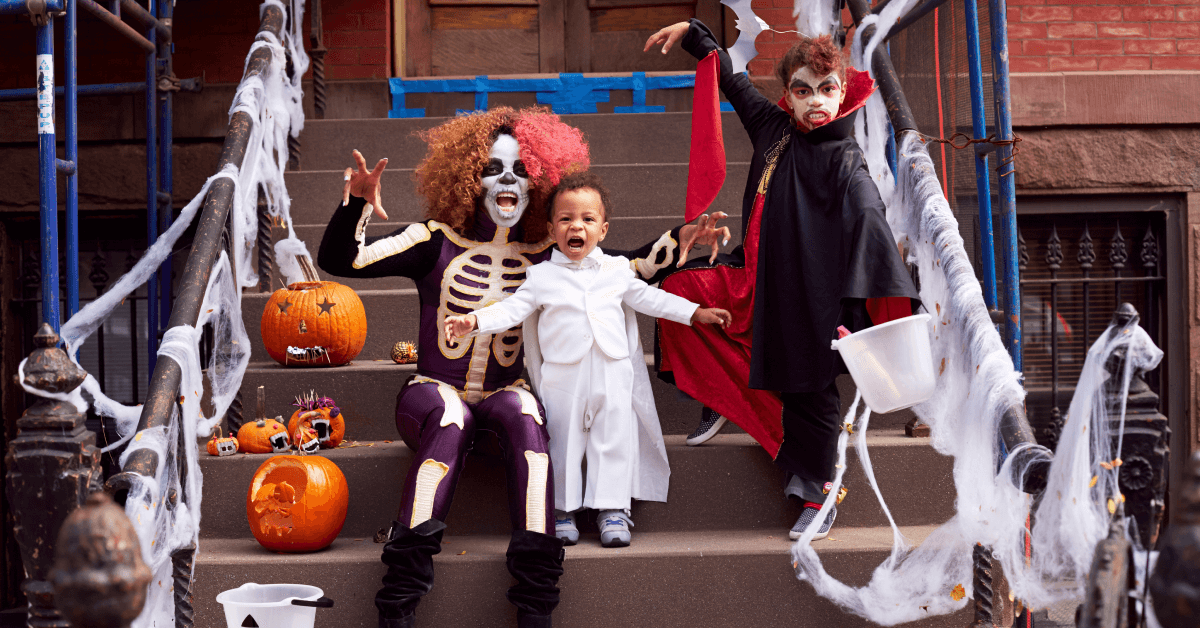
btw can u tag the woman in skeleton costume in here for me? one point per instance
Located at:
(485, 179)
(817, 253)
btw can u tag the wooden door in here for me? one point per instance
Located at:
(472, 37)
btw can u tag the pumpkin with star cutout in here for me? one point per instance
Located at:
(314, 323)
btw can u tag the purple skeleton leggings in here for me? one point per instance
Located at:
(419, 411)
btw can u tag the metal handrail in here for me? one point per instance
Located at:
(214, 216)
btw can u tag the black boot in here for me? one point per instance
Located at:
(409, 559)
(535, 560)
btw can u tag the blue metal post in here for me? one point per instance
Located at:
(983, 184)
(47, 173)
(163, 12)
(1008, 183)
(72, 121)
(152, 295)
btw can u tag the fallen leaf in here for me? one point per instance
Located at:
(1092, 484)
(1117, 462)
(1112, 506)
(795, 565)
(1106, 465)
(943, 368)
(958, 592)
(462, 552)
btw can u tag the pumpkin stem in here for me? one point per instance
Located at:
(261, 412)
(307, 269)
(216, 434)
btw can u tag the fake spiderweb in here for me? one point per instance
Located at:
(165, 509)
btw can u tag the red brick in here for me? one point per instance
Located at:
(373, 56)
(761, 67)
(1016, 3)
(1124, 30)
(1073, 31)
(1014, 14)
(1149, 14)
(1028, 64)
(342, 56)
(777, 3)
(339, 22)
(1187, 14)
(356, 72)
(1098, 46)
(776, 17)
(1110, 64)
(1097, 14)
(1044, 47)
(1017, 32)
(356, 39)
(1150, 47)
(1174, 2)
(376, 21)
(1177, 63)
(1106, 2)
(773, 50)
(1174, 30)
(1046, 14)
(355, 6)
(1188, 46)
(1072, 64)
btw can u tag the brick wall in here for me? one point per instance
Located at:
(1103, 35)
(211, 37)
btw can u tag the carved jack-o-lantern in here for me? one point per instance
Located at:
(321, 414)
(306, 441)
(297, 503)
(314, 323)
(263, 436)
(404, 352)
(218, 446)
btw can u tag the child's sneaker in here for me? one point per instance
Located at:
(564, 527)
(711, 422)
(614, 528)
(807, 516)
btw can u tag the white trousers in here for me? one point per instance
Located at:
(589, 414)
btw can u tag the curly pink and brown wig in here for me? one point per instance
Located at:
(449, 176)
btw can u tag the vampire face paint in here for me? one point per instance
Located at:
(505, 183)
(815, 100)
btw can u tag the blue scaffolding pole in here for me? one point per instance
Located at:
(1008, 182)
(983, 184)
(157, 45)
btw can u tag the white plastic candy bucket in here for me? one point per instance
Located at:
(273, 605)
(892, 363)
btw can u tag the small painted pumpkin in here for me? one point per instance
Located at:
(314, 323)
(263, 436)
(305, 440)
(404, 352)
(321, 414)
(297, 503)
(218, 446)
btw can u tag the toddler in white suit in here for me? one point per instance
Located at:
(584, 358)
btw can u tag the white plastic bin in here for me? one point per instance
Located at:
(273, 605)
(892, 363)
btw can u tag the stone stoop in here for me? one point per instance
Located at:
(715, 555)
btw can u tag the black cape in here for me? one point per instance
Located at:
(824, 244)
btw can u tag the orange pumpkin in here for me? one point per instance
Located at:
(297, 503)
(218, 446)
(313, 322)
(306, 441)
(321, 414)
(263, 436)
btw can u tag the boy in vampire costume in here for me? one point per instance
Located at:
(485, 180)
(817, 253)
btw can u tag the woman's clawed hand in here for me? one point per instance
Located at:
(365, 183)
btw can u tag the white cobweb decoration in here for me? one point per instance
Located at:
(817, 17)
(165, 509)
(977, 386)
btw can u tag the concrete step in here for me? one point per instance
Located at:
(649, 189)
(668, 579)
(392, 316)
(366, 392)
(729, 483)
(625, 233)
(613, 139)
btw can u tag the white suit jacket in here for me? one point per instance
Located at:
(582, 305)
(652, 474)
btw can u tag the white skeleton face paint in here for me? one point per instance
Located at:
(815, 100)
(505, 183)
